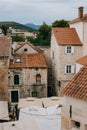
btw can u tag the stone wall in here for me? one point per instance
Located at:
(78, 114)
(47, 54)
(59, 60)
(3, 83)
(27, 81)
(30, 50)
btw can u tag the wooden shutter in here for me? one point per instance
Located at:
(72, 69)
(65, 49)
(65, 68)
(72, 49)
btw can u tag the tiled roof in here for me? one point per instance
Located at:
(5, 45)
(66, 36)
(32, 46)
(77, 87)
(20, 43)
(82, 60)
(28, 60)
(84, 18)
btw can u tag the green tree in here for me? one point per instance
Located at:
(4, 29)
(18, 38)
(44, 31)
(60, 23)
(43, 36)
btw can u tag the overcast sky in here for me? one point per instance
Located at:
(39, 11)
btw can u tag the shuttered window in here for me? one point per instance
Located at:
(69, 49)
(69, 69)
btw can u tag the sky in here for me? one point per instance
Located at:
(39, 11)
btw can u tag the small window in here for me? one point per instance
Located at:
(69, 49)
(38, 78)
(25, 50)
(16, 80)
(75, 124)
(17, 60)
(52, 54)
(69, 69)
(59, 83)
(34, 94)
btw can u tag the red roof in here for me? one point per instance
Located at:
(28, 60)
(66, 36)
(82, 60)
(77, 87)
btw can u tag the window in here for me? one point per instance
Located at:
(25, 50)
(16, 79)
(59, 83)
(14, 96)
(17, 60)
(52, 54)
(69, 49)
(75, 124)
(69, 69)
(34, 94)
(38, 78)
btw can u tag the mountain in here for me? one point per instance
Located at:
(31, 25)
(16, 26)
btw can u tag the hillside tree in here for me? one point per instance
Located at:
(60, 23)
(4, 29)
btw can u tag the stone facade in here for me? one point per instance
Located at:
(59, 60)
(27, 81)
(29, 50)
(24, 77)
(5, 54)
(47, 54)
(78, 120)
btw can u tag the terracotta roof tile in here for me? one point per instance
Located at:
(66, 36)
(82, 60)
(28, 60)
(77, 87)
(5, 45)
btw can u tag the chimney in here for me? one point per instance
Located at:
(80, 12)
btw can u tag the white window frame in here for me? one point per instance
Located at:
(69, 49)
(69, 69)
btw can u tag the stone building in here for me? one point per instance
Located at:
(5, 54)
(74, 109)
(80, 24)
(66, 48)
(27, 73)
(47, 52)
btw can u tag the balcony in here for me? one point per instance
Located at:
(36, 86)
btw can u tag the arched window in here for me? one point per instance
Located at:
(38, 78)
(16, 79)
